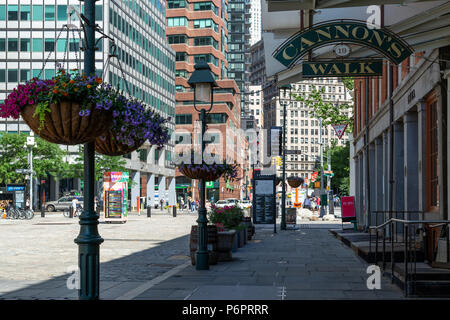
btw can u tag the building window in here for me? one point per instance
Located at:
(2, 12)
(38, 13)
(2, 44)
(177, 22)
(172, 4)
(13, 45)
(49, 45)
(25, 13)
(62, 13)
(25, 45)
(181, 56)
(183, 119)
(206, 23)
(216, 118)
(432, 154)
(49, 13)
(12, 75)
(202, 6)
(13, 12)
(178, 38)
(206, 41)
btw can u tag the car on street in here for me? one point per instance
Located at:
(245, 204)
(227, 202)
(62, 203)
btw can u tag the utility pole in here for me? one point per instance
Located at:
(322, 211)
(330, 192)
(31, 144)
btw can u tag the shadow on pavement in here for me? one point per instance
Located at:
(117, 276)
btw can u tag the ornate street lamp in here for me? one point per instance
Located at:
(89, 239)
(202, 80)
(283, 179)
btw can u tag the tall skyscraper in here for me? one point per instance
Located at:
(198, 31)
(32, 32)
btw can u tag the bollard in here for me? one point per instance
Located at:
(174, 211)
(70, 212)
(43, 211)
(149, 211)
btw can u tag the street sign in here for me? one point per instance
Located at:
(210, 184)
(23, 171)
(340, 129)
(293, 151)
(350, 68)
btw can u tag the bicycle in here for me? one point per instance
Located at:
(18, 213)
(78, 211)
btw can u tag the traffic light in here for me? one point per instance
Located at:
(280, 162)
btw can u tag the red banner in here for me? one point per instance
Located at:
(348, 207)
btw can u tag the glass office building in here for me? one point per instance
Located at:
(34, 31)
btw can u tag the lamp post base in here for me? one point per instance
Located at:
(202, 261)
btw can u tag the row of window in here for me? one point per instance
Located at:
(41, 44)
(41, 12)
(22, 75)
(198, 23)
(198, 41)
(127, 29)
(212, 118)
(140, 67)
(141, 94)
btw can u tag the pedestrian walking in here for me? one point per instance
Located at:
(162, 203)
(95, 203)
(313, 205)
(27, 204)
(182, 203)
(73, 207)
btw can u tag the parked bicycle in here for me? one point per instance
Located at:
(18, 213)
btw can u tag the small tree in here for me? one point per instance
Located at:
(330, 113)
(48, 158)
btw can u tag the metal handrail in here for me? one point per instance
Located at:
(410, 270)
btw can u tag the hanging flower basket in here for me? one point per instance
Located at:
(197, 172)
(208, 172)
(64, 125)
(108, 145)
(68, 109)
(133, 123)
(295, 182)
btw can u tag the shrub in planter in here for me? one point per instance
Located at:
(227, 218)
(68, 109)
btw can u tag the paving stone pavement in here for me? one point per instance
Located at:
(147, 259)
(37, 254)
(308, 263)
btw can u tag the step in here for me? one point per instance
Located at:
(426, 288)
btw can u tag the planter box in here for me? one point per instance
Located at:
(212, 244)
(241, 239)
(235, 242)
(224, 246)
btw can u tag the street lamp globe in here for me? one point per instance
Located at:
(202, 80)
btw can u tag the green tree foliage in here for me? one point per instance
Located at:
(102, 164)
(48, 158)
(340, 164)
(330, 113)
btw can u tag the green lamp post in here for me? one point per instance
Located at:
(89, 239)
(283, 179)
(203, 83)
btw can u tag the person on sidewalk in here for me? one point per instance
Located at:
(307, 203)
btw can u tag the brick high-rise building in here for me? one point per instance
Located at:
(197, 31)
